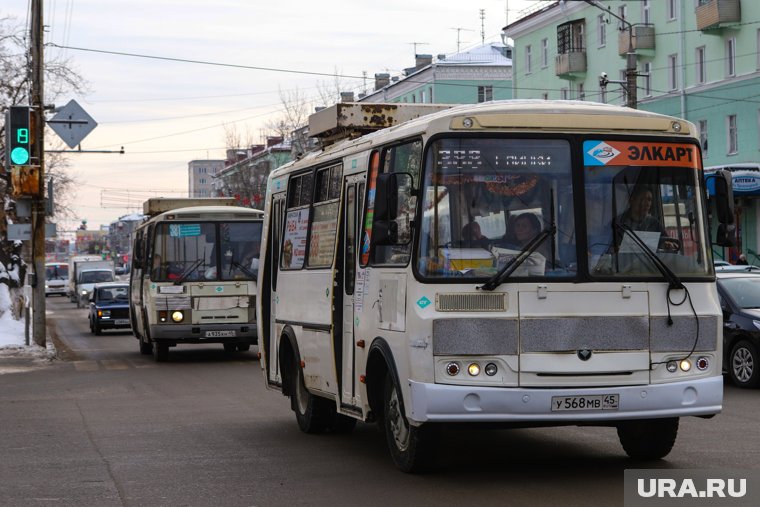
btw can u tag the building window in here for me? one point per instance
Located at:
(731, 131)
(701, 70)
(702, 125)
(571, 37)
(430, 94)
(527, 59)
(622, 76)
(581, 92)
(645, 12)
(648, 79)
(622, 13)
(544, 53)
(545, 96)
(422, 96)
(731, 57)
(672, 10)
(672, 72)
(563, 94)
(601, 30)
(485, 93)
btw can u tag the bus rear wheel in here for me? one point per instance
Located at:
(412, 448)
(648, 439)
(313, 413)
(146, 347)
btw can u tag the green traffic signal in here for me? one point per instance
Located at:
(19, 156)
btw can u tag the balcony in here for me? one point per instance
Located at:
(568, 64)
(643, 38)
(716, 14)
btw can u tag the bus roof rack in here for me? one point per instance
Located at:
(157, 205)
(349, 120)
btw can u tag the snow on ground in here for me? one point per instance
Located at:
(12, 340)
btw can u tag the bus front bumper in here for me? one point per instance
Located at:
(449, 403)
(217, 333)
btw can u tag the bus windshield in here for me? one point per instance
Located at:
(190, 251)
(654, 201)
(485, 200)
(57, 272)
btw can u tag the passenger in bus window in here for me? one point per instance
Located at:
(638, 217)
(472, 237)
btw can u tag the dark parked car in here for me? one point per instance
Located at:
(740, 301)
(109, 307)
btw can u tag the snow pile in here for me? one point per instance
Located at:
(11, 330)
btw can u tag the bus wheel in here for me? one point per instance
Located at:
(648, 439)
(161, 352)
(244, 347)
(313, 413)
(412, 448)
(744, 364)
(230, 348)
(146, 347)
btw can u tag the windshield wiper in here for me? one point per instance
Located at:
(187, 272)
(514, 263)
(247, 272)
(673, 281)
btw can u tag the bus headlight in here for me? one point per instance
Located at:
(703, 363)
(473, 369)
(491, 369)
(685, 365)
(672, 366)
(178, 316)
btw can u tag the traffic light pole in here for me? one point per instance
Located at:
(39, 330)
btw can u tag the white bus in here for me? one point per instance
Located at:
(379, 300)
(193, 277)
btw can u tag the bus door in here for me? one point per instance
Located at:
(270, 340)
(353, 190)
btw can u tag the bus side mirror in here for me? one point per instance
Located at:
(725, 235)
(385, 232)
(386, 196)
(724, 197)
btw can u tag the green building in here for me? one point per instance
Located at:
(481, 74)
(696, 59)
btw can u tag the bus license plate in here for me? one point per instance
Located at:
(588, 402)
(220, 334)
(121, 322)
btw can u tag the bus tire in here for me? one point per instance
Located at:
(145, 347)
(160, 352)
(744, 365)
(412, 448)
(244, 347)
(313, 413)
(230, 348)
(648, 439)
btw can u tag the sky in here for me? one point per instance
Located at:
(167, 113)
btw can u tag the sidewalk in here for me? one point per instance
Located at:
(20, 358)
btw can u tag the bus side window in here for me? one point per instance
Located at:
(297, 221)
(403, 158)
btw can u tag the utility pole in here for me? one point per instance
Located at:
(631, 73)
(38, 203)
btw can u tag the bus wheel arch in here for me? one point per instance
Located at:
(288, 357)
(380, 364)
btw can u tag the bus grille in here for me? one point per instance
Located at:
(471, 302)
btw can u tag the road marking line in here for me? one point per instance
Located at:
(86, 365)
(114, 364)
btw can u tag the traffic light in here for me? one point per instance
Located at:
(19, 139)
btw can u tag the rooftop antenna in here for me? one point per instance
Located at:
(482, 26)
(459, 30)
(415, 44)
